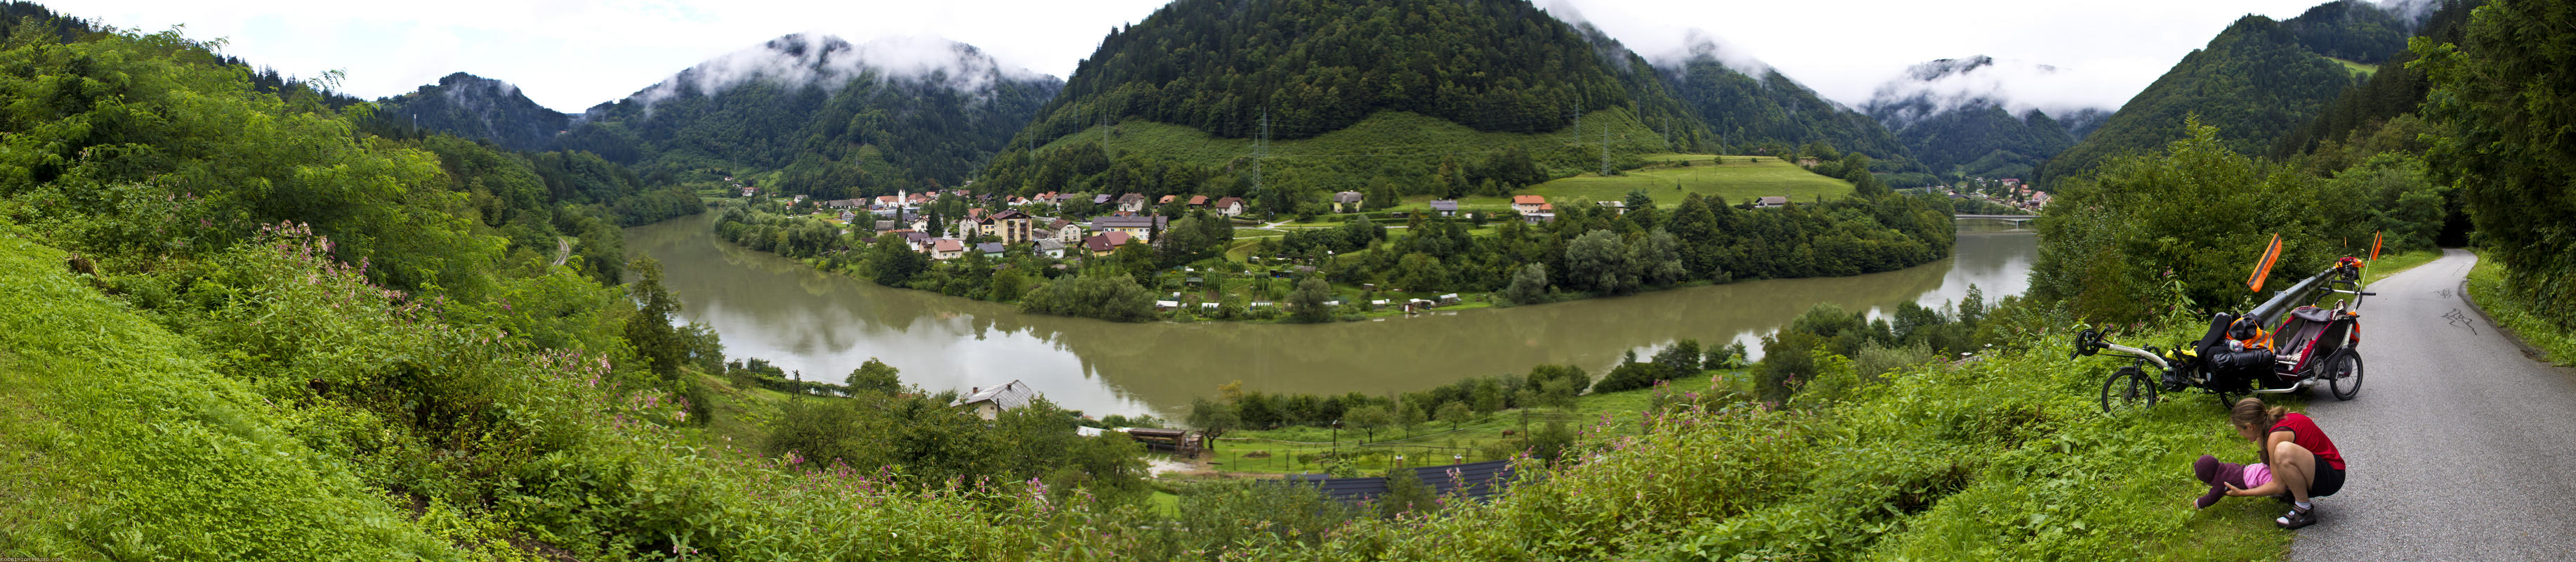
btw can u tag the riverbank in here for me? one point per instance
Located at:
(1197, 270)
(824, 325)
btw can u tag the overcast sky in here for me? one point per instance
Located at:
(570, 54)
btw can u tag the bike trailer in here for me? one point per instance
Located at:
(2311, 334)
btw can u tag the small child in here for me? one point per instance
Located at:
(2252, 479)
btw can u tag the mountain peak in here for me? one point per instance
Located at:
(806, 59)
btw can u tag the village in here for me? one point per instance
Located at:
(952, 224)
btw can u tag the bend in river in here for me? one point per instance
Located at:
(824, 325)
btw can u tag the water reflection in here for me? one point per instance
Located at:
(825, 325)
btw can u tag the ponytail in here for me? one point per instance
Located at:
(2249, 412)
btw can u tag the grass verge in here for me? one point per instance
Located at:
(2486, 286)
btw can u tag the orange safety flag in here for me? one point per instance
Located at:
(2263, 267)
(2374, 246)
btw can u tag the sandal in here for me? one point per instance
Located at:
(2296, 519)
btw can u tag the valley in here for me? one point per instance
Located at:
(1313, 280)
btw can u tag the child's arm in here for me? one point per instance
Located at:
(2271, 488)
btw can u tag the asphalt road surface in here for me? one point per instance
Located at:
(2459, 446)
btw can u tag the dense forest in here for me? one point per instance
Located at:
(2395, 90)
(2255, 82)
(478, 108)
(2351, 30)
(1985, 140)
(1313, 67)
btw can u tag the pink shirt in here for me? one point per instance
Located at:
(2256, 475)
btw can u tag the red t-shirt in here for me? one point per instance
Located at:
(2305, 433)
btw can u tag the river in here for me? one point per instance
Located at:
(824, 325)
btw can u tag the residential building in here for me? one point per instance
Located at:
(1526, 204)
(1139, 227)
(1348, 201)
(1198, 201)
(1444, 207)
(1230, 206)
(1131, 203)
(1011, 226)
(1067, 231)
(1105, 242)
(1050, 247)
(947, 249)
(992, 249)
(1770, 202)
(989, 403)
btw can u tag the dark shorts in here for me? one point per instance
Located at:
(2328, 481)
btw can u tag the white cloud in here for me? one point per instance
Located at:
(569, 54)
(1846, 48)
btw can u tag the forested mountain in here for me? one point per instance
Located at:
(833, 118)
(2255, 82)
(1766, 108)
(1957, 116)
(61, 27)
(2351, 30)
(1403, 97)
(2394, 91)
(2082, 122)
(478, 108)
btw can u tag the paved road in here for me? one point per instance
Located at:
(2459, 447)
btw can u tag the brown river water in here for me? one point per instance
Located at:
(824, 325)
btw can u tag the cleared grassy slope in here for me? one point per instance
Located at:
(2358, 69)
(120, 442)
(1735, 179)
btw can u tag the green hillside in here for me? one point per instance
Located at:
(477, 108)
(2394, 89)
(2255, 82)
(1506, 94)
(1772, 111)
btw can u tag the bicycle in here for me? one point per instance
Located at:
(2237, 357)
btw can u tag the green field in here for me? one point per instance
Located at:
(2357, 69)
(1667, 180)
(1736, 180)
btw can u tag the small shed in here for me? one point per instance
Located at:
(1174, 441)
(988, 403)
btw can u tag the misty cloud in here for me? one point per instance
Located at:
(2412, 12)
(815, 59)
(1698, 44)
(1670, 53)
(2018, 86)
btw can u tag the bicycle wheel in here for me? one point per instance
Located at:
(2128, 389)
(2343, 374)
